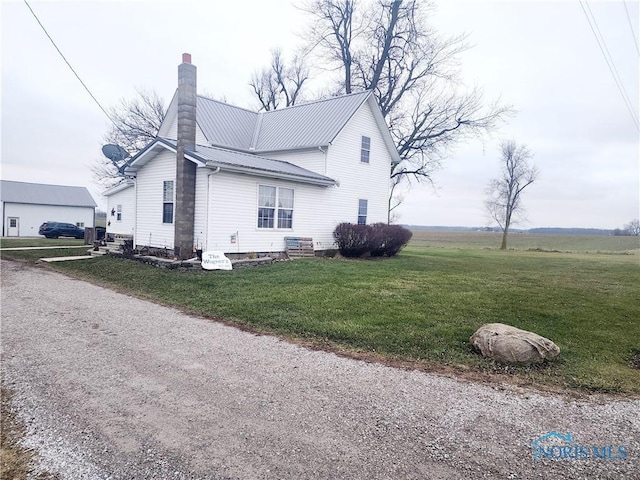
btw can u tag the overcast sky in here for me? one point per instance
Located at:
(541, 57)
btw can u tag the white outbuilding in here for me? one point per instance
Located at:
(26, 206)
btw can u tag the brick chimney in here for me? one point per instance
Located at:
(185, 169)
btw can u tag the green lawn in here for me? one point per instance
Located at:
(38, 242)
(422, 306)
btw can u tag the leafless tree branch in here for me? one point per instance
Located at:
(136, 123)
(280, 83)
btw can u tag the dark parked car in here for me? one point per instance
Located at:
(59, 229)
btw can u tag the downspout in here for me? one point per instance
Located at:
(325, 160)
(135, 212)
(206, 230)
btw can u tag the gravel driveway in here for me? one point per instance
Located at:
(115, 387)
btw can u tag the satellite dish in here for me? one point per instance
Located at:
(115, 153)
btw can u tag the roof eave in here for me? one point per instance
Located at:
(118, 188)
(328, 182)
(152, 149)
(292, 149)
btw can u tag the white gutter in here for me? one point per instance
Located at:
(278, 175)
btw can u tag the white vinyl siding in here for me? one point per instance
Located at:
(233, 201)
(203, 176)
(357, 180)
(172, 132)
(150, 230)
(314, 160)
(122, 204)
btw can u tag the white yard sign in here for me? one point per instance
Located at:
(215, 261)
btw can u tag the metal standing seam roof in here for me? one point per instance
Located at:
(42, 194)
(226, 125)
(241, 138)
(247, 161)
(307, 125)
(300, 126)
(231, 160)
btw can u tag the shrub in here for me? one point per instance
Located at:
(379, 239)
(353, 240)
(389, 239)
(397, 238)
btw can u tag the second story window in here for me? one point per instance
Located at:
(365, 148)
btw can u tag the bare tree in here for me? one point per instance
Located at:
(332, 33)
(388, 47)
(504, 203)
(135, 123)
(395, 200)
(280, 83)
(633, 227)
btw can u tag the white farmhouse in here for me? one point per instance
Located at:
(219, 177)
(26, 206)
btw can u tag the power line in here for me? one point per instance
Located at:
(69, 65)
(612, 67)
(610, 63)
(635, 42)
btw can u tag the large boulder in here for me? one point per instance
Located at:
(508, 344)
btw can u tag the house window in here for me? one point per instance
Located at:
(362, 212)
(80, 224)
(119, 213)
(275, 203)
(167, 201)
(13, 223)
(266, 206)
(365, 149)
(285, 207)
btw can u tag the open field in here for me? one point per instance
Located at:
(422, 306)
(527, 241)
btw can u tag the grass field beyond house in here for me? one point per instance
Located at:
(424, 305)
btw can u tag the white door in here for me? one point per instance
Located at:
(14, 226)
